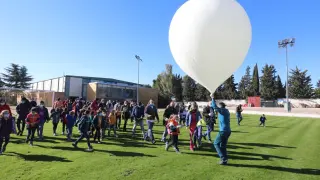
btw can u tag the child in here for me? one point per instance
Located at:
(55, 116)
(84, 125)
(112, 123)
(193, 118)
(6, 128)
(32, 121)
(238, 114)
(173, 131)
(44, 117)
(64, 120)
(71, 120)
(182, 115)
(98, 121)
(263, 120)
(209, 117)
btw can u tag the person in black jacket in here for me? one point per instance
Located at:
(84, 126)
(6, 128)
(44, 117)
(138, 115)
(170, 110)
(23, 110)
(209, 117)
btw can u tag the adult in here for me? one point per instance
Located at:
(209, 117)
(22, 110)
(137, 115)
(94, 106)
(151, 113)
(221, 140)
(117, 108)
(102, 104)
(69, 105)
(125, 110)
(4, 106)
(33, 103)
(170, 110)
(44, 117)
(6, 128)
(58, 104)
(238, 114)
(193, 117)
(130, 110)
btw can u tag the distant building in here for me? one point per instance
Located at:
(94, 87)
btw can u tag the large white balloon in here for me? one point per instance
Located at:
(209, 39)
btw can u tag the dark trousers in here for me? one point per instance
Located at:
(182, 121)
(262, 123)
(84, 135)
(55, 125)
(97, 134)
(221, 144)
(21, 124)
(31, 132)
(173, 141)
(6, 141)
(63, 127)
(125, 123)
(118, 122)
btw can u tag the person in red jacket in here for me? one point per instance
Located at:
(32, 122)
(94, 106)
(173, 131)
(4, 106)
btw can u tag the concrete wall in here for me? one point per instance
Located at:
(91, 91)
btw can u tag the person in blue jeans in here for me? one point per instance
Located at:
(238, 114)
(71, 120)
(151, 113)
(137, 114)
(84, 126)
(221, 140)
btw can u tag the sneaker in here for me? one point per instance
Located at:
(209, 141)
(99, 142)
(54, 134)
(178, 152)
(192, 149)
(163, 140)
(62, 133)
(0, 152)
(31, 144)
(27, 140)
(74, 145)
(167, 147)
(223, 162)
(153, 142)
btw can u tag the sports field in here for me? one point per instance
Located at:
(288, 148)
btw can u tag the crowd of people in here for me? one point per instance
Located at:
(99, 118)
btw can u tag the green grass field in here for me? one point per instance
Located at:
(288, 148)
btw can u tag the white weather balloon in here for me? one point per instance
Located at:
(209, 39)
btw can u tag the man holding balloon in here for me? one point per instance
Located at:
(221, 140)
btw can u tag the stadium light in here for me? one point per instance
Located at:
(284, 44)
(138, 59)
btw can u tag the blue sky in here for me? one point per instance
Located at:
(100, 38)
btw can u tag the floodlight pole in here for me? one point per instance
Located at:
(284, 44)
(138, 59)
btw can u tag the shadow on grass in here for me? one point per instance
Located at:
(282, 169)
(263, 156)
(229, 156)
(114, 153)
(265, 126)
(44, 158)
(272, 146)
(22, 141)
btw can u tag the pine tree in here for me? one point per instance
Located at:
(1, 83)
(25, 79)
(218, 94)
(230, 88)
(189, 85)
(300, 84)
(281, 92)
(201, 93)
(255, 81)
(268, 87)
(245, 85)
(12, 76)
(177, 87)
